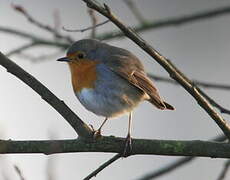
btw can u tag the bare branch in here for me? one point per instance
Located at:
(168, 168)
(174, 165)
(78, 125)
(197, 82)
(103, 166)
(181, 20)
(38, 40)
(57, 20)
(132, 6)
(214, 103)
(94, 22)
(202, 84)
(19, 172)
(173, 71)
(19, 33)
(38, 59)
(41, 25)
(21, 48)
(163, 23)
(85, 29)
(224, 171)
(111, 144)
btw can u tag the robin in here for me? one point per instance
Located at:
(110, 81)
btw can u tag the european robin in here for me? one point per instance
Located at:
(110, 81)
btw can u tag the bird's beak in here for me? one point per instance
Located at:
(64, 59)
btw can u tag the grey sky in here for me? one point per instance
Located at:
(200, 50)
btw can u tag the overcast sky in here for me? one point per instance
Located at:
(201, 50)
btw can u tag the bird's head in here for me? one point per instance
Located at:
(82, 50)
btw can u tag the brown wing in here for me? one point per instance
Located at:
(141, 81)
(128, 66)
(148, 87)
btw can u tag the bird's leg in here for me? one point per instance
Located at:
(128, 140)
(97, 133)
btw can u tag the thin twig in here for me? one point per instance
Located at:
(21, 48)
(197, 82)
(174, 165)
(57, 20)
(94, 22)
(167, 169)
(214, 103)
(103, 166)
(200, 84)
(173, 71)
(33, 37)
(38, 59)
(19, 172)
(78, 125)
(19, 33)
(150, 25)
(224, 170)
(132, 6)
(46, 27)
(163, 23)
(85, 29)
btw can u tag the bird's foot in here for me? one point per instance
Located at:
(128, 146)
(96, 133)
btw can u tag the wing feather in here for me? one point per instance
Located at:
(129, 67)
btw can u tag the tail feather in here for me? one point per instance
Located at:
(162, 105)
(168, 106)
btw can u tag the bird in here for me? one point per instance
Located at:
(110, 81)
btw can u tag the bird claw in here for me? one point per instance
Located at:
(97, 134)
(128, 146)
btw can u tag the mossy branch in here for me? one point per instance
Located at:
(112, 144)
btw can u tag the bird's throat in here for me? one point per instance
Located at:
(83, 74)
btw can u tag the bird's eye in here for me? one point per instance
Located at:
(80, 55)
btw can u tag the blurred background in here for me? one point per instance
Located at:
(200, 49)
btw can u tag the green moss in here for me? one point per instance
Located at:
(175, 147)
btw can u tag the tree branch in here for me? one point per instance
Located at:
(174, 165)
(214, 103)
(168, 168)
(46, 27)
(155, 24)
(117, 34)
(163, 23)
(224, 171)
(103, 166)
(199, 83)
(94, 20)
(19, 172)
(85, 29)
(78, 125)
(38, 40)
(132, 6)
(21, 48)
(111, 144)
(175, 73)
(38, 59)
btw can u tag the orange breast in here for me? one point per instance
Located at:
(83, 74)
